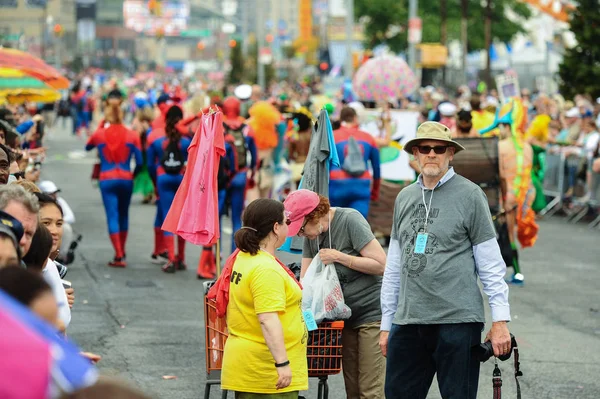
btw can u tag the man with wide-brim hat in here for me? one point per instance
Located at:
(442, 243)
(429, 136)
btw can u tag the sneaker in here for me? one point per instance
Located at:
(517, 279)
(117, 262)
(159, 259)
(169, 268)
(181, 265)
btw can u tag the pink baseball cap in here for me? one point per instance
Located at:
(297, 205)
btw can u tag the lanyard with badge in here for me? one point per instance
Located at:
(422, 236)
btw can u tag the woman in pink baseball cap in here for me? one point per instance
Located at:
(343, 239)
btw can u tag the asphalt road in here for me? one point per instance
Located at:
(147, 325)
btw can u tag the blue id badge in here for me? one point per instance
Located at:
(309, 320)
(421, 243)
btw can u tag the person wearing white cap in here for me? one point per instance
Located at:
(48, 187)
(448, 113)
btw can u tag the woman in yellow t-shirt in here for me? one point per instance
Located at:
(265, 354)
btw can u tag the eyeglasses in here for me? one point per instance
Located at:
(426, 149)
(301, 231)
(288, 222)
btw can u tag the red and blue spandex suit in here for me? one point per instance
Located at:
(355, 192)
(116, 146)
(167, 185)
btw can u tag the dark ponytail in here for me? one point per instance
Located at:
(258, 221)
(172, 118)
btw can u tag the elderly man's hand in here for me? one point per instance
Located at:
(500, 338)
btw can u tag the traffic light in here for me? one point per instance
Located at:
(232, 43)
(200, 45)
(323, 66)
(269, 38)
(58, 30)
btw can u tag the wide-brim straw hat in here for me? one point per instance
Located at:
(432, 131)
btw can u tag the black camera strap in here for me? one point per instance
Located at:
(497, 375)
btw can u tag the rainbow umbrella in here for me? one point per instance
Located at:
(20, 96)
(21, 82)
(15, 60)
(384, 78)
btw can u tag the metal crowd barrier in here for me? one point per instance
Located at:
(556, 181)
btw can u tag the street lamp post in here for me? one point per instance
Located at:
(260, 33)
(412, 51)
(349, 38)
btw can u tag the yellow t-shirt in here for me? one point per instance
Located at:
(260, 285)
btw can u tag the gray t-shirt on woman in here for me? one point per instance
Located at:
(350, 233)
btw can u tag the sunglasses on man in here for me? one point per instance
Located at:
(426, 149)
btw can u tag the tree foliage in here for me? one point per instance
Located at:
(382, 14)
(580, 69)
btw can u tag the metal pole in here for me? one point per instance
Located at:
(44, 32)
(348, 68)
(245, 11)
(260, 40)
(412, 50)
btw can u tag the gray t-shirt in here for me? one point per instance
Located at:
(440, 285)
(350, 233)
(316, 171)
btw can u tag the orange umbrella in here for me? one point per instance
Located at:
(32, 66)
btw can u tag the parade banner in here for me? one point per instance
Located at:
(394, 161)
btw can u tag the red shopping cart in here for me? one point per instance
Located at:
(324, 350)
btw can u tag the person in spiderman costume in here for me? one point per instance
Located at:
(168, 180)
(116, 146)
(164, 102)
(232, 187)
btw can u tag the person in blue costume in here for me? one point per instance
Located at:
(116, 146)
(167, 158)
(346, 190)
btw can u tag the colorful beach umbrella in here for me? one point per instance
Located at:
(384, 78)
(32, 66)
(20, 96)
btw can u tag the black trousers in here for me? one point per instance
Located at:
(417, 352)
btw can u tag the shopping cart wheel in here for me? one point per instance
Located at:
(210, 383)
(323, 390)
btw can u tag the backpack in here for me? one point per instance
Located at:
(223, 175)
(172, 160)
(238, 142)
(354, 162)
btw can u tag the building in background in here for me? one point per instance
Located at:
(41, 27)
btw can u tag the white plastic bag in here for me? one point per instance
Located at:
(322, 292)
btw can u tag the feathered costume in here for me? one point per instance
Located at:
(519, 194)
